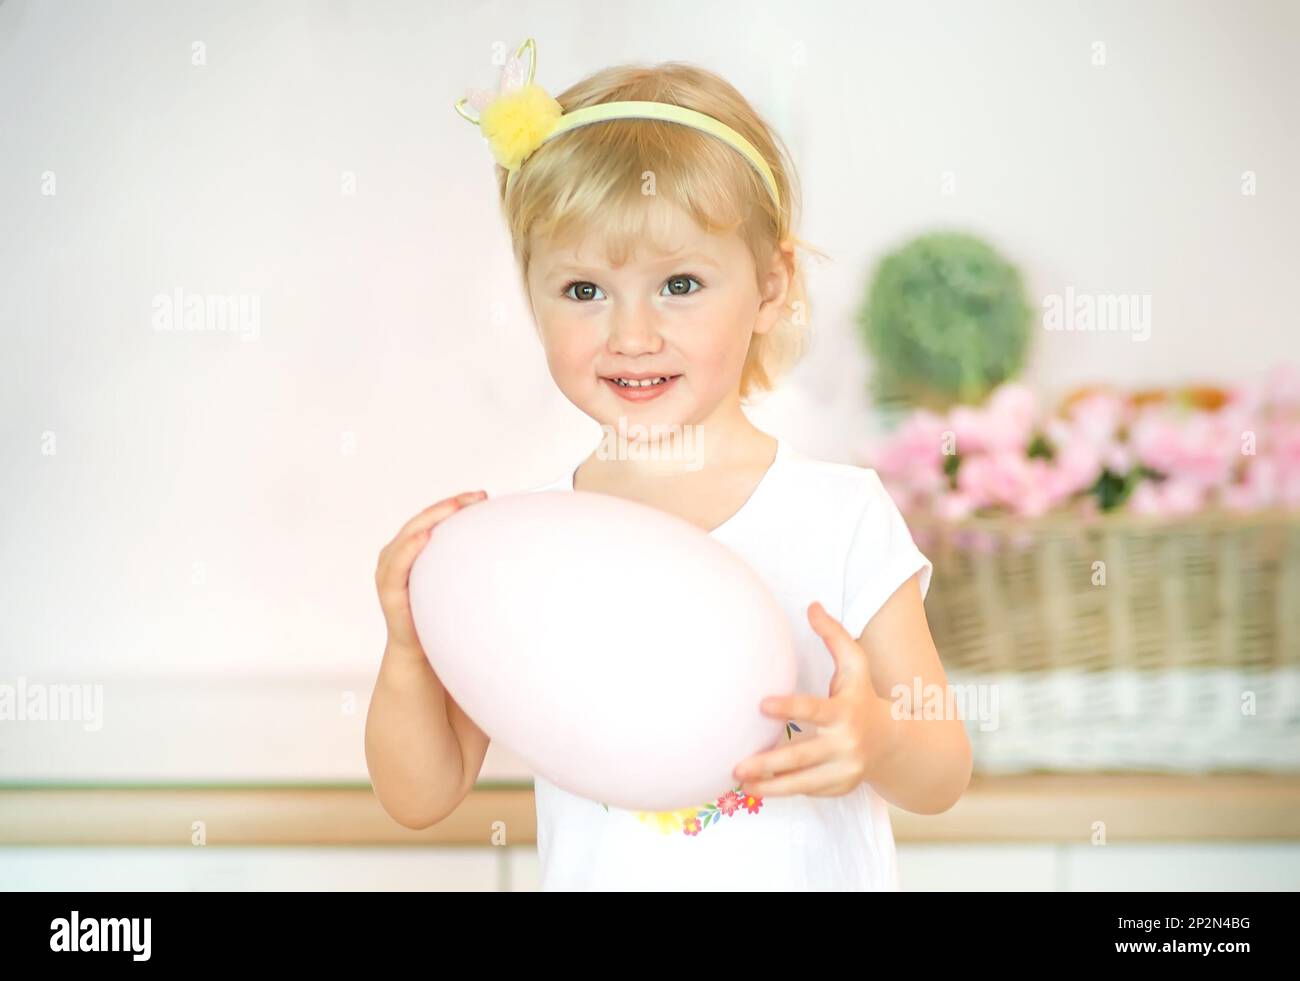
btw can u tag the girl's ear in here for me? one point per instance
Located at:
(775, 287)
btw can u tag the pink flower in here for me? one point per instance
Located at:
(1198, 447)
(1167, 498)
(1184, 496)
(1010, 417)
(977, 481)
(1077, 465)
(1097, 418)
(967, 425)
(1282, 387)
(1257, 490)
(1008, 479)
(1243, 456)
(1157, 440)
(1146, 498)
(1247, 397)
(913, 455)
(1284, 450)
(1289, 491)
(1118, 458)
(1005, 422)
(955, 506)
(1284, 438)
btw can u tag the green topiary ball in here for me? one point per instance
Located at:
(946, 320)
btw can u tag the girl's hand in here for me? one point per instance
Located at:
(855, 728)
(392, 575)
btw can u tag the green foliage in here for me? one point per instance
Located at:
(946, 321)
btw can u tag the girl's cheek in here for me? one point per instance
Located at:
(573, 347)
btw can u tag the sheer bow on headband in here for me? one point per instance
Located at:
(520, 116)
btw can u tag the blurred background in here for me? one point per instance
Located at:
(259, 308)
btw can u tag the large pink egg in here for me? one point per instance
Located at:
(618, 650)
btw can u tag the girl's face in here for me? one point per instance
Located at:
(687, 315)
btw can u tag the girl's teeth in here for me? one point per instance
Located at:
(640, 384)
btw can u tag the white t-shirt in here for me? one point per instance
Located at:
(812, 530)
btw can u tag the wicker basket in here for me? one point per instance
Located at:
(1184, 657)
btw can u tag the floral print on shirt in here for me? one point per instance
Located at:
(693, 820)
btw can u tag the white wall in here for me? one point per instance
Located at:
(201, 515)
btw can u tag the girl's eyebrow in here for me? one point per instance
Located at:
(697, 258)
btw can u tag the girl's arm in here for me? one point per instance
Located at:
(928, 763)
(413, 753)
(423, 752)
(866, 731)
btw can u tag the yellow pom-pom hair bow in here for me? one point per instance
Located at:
(520, 116)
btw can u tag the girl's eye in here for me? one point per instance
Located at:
(586, 290)
(683, 281)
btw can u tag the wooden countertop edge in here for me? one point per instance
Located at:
(1055, 808)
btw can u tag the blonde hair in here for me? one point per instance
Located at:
(705, 177)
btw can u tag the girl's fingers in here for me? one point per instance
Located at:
(395, 573)
(793, 756)
(810, 708)
(392, 574)
(826, 779)
(398, 556)
(433, 513)
(436, 512)
(850, 659)
(405, 554)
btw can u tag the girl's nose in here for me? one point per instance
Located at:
(633, 331)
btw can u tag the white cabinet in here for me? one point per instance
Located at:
(966, 867)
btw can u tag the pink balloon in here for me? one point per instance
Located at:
(618, 650)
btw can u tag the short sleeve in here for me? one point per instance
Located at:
(881, 556)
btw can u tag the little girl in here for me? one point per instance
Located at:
(651, 211)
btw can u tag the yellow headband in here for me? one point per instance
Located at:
(520, 116)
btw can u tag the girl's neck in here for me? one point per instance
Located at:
(730, 443)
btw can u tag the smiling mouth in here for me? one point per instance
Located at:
(641, 390)
(635, 383)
